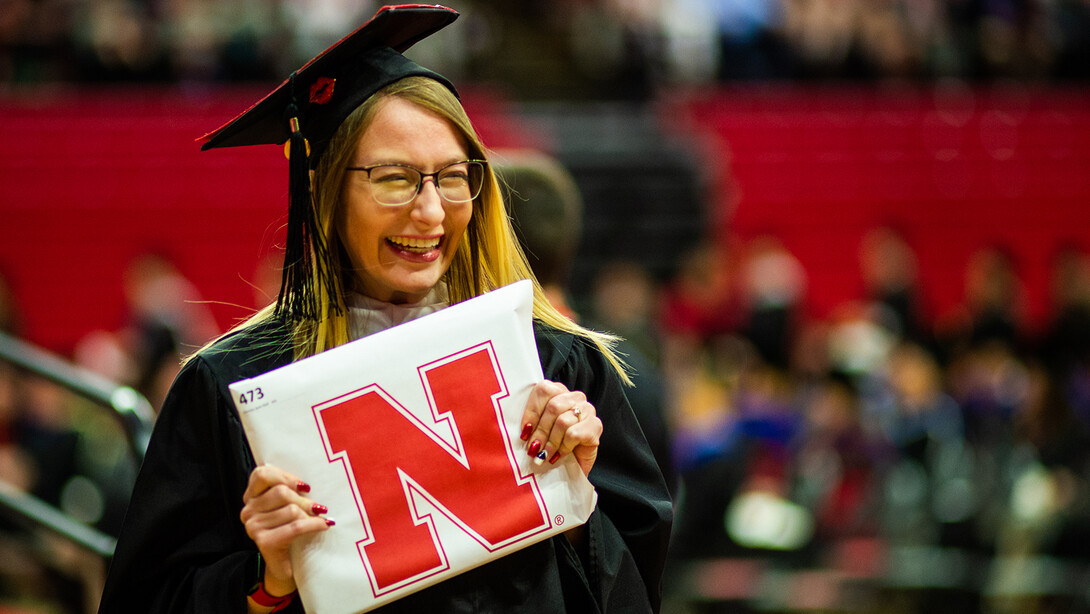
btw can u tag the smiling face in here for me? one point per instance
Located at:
(399, 253)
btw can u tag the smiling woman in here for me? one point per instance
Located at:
(394, 214)
(400, 250)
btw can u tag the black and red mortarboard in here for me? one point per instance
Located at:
(308, 107)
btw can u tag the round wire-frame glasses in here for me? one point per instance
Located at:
(394, 185)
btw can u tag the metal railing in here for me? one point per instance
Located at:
(127, 406)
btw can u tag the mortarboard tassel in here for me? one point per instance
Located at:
(305, 256)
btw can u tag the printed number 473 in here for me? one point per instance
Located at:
(249, 396)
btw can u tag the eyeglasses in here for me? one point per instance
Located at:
(397, 184)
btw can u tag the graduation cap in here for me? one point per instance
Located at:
(307, 109)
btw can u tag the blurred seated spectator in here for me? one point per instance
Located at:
(773, 288)
(751, 46)
(1060, 445)
(166, 320)
(1065, 343)
(911, 406)
(1043, 537)
(890, 277)
(821, 33)
(838, 463)
(741, 446)
(860, 337)
(1069, 23)
(625, 300)
(699, 302)
(699, 357)
(17, 466)
(990, 382)
(992, 310)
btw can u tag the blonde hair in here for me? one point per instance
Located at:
(489, 256)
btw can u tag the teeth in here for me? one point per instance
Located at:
(414, 243)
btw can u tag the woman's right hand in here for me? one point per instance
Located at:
(275, 513)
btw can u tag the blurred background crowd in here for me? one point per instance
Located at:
(615, 48)
(910, 464)
(878, 454)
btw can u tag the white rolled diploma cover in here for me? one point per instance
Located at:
(410, 437)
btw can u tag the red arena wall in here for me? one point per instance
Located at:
(93, 179)
(952, 168)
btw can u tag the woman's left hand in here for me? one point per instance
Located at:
(558, 421)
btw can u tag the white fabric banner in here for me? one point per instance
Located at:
(410, 437)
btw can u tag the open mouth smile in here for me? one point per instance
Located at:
(414, 245)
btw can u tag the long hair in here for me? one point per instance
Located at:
(488, 257)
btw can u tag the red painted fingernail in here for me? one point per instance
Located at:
(535, 447)
(555, 457)
(319, 509)
(329, 522)
(302, 487)
(527, 431)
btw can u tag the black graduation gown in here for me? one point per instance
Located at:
(184, 549)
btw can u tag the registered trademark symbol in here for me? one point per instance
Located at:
(559, 520)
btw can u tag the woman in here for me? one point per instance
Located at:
(394, 214)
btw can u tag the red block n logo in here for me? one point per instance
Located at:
(462, 464)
